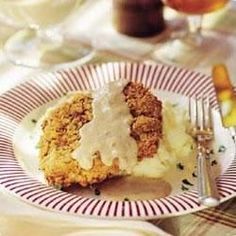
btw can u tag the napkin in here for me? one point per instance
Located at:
(20, 218)
(49, 226)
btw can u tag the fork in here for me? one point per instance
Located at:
(200, 116)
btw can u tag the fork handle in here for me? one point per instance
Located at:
(207, 189)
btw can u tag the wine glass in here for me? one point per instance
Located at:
(40, 41)
(183, 47)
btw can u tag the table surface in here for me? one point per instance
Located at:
(117, 47)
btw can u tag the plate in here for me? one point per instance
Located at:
(18, 103)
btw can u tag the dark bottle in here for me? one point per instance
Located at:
(139, 18)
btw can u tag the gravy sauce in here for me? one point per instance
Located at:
(109, 130)
(128, 187)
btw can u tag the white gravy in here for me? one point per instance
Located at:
(109, 130)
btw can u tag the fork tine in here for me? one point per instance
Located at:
(203, 114)
(210, 124)
(190, 110)
(196, 113)
(207, 115)
(199, 114)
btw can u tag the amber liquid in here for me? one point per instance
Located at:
(196, 6)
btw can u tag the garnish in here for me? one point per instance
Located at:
(194, 175)
(211, 151)
(34, 121)
(213, 163)
(58, 186)
(222, 149)
(97, 192)
(126, 199)
(174, 104)
(185, 181)
(184, 188)
(180, 166)
(37, 146)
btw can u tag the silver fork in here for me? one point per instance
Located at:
(201, 121)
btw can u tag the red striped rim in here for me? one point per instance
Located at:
(19, 101)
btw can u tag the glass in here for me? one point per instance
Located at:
(40, 41)
(182, 45)
(139, 18)
(196, 6)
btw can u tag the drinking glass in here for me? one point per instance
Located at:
(180, 47)
(39, 41)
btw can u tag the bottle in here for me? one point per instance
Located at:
(139, 18)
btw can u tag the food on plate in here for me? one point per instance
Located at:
(120, 129)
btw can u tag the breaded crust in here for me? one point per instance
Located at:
(61, 137)
(147, 124)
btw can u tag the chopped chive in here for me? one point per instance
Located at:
(213, 163)
(180, 166)
(194, 175)
(175, 105)
(184, 188)
(222, 149)
(34, 121)
(97, 192)
(58, 186)
(212, 151)
(185, 181)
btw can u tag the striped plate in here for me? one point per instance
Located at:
(21, 100)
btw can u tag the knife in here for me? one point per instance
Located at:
(226, 98)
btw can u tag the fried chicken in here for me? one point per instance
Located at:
(61, 137)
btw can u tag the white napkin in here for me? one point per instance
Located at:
(20, 218)
(50, 226)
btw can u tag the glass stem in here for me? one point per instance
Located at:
(195, 29)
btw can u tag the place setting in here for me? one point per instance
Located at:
(125, 147)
